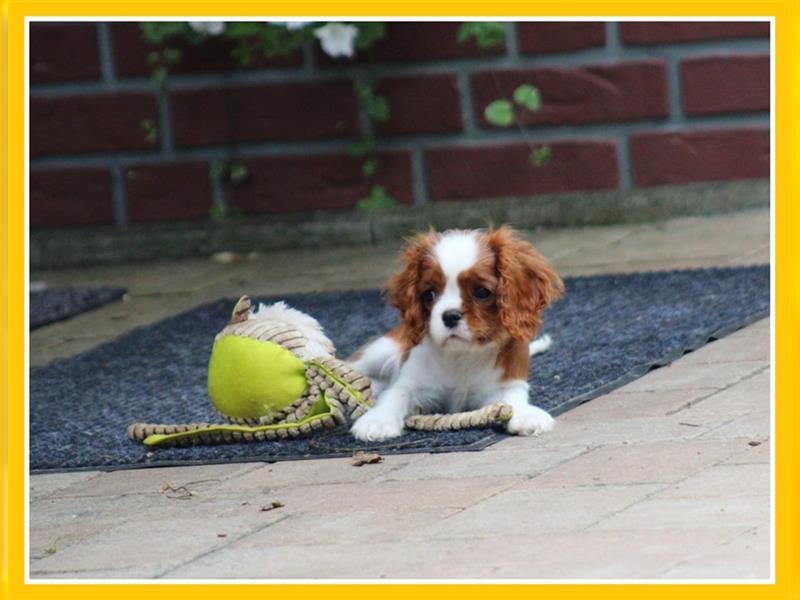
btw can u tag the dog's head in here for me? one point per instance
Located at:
(469, 288)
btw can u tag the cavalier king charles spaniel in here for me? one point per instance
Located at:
(470, 304)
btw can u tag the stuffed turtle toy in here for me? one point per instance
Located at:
(273, 374)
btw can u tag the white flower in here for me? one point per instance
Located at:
(292, 25)
(208, 27)
(337, 39)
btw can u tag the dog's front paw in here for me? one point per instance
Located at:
(376, 426)
(530, 420)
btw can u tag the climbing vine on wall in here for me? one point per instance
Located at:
(270, 39)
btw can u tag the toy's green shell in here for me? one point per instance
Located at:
(256, 375)
(249, 378)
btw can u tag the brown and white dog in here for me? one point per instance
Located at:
(470, 302)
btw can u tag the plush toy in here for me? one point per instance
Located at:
(273, 374)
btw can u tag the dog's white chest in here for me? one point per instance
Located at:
(455, 380)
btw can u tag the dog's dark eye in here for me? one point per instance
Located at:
(481, 293)
(428, 296)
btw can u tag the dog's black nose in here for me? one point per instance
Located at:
(451, 318)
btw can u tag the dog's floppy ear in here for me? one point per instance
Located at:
(527, 283)
(403, 288)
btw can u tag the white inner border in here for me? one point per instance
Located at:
(604, 19)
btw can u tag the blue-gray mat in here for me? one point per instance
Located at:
(607, 331)
(50, 306)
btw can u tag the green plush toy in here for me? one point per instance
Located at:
(273, 374)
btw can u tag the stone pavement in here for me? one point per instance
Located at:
(667, 477)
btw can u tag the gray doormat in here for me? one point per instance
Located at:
(50, 306)
(608, 330)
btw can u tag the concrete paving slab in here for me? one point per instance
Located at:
(618, 554)
(724, 480)
(677, 513)
(525, 462)
(50, 484)
(732, 560)
(755, 426)
(680, 376)
(531, 509)
(657, 462)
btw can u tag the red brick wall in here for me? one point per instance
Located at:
(624, 105)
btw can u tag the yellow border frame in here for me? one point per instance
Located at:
(787, 288)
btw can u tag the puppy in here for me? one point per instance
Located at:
(470, 302)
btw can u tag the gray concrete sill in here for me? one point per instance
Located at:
(51, 248)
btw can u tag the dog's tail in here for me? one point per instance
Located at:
(540, 344)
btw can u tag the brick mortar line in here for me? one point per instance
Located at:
(624, 161)
(675, 92)
(607, 131)
(105, 55)
(308, 65)
(419, 176)
(598, 56)
(469, 126)
(119, 200)
(613, 45)
(165, 135)
(512, 40)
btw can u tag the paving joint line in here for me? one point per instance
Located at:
(222, 546)
(716, 391)
(687, 561)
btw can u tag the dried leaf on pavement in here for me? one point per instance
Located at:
(363, 458)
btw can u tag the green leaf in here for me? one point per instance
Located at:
(159, 74)
(217, 171)
(500, 113)
(378, 109)
(217, 212)
(240, 29)
(243, 53)
(370, 167)
(150, 131)
(487, 34)
(378, 199)
(528, 96)
(361, 147)
(369, 33)
(156, 32)
(238, 172)
(171, 55)
(363, 90)
(541, 156)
